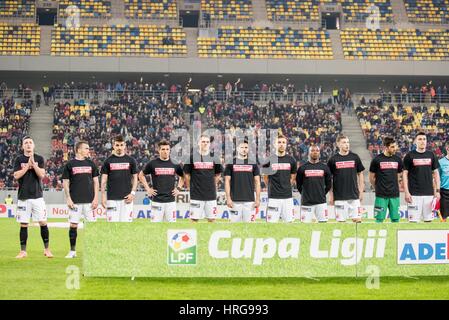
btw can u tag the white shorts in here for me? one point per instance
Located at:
(421, 207)
(119, 211)
(82, 210)
(242, 212)
(161, 211)
(347, 209)
(319, 211)
(203, 209)
(280, 209)
(35, 208)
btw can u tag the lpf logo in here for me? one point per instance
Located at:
(181, 247)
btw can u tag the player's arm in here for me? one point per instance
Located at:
(372, 179)
(143, 180)
(20, 173)
(228, 191)
(265, 180)
(96, 192)
(436, 184)
(361, 184)
(38, 167)
(257, 189)
(68, 199)
(187, 180)
(408, 196)
(217, 179)
(130, 197)
(104, 183)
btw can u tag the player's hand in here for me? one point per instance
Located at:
(361, 197)
(408, 197)
(229, 203)
(70, 204)
(437, 195)
(257, 203)
(129, 198)
(175, 192)
(152, 192)
(103, 203)
(95, 204)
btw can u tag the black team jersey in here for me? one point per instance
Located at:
(386, 170)
(279, 185)
(30, 186)
(202, 170)
(344, 171)
(420, 167)
(80, 173)
(242, 180)
(314, 182)
(163, 176)
(120, 172)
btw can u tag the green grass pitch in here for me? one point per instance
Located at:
(37, 277)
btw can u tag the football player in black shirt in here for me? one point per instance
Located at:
(80, 180)
(202, 175)
(280, 196)
(421, 180)
(314, 182)
(385, 174)
(347, 182)
(29, 171)
(241, 181)
(119, 175)
(163, 174)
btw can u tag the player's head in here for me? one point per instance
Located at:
(28, 144)
(82, 149)
(164, 149)
(204, 144)
(281, 143)
(421, 141)
(390, 145)
(119, 145)
(314, 153)
(243, 149)
(343, 143)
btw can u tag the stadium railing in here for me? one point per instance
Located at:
(296, 96)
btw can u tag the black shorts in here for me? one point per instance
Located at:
(444, 203)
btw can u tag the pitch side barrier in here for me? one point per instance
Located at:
(265, 250)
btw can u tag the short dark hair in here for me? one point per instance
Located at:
(163, 143)
(119, 138)
(447, 144)
(26, 138)
(388, 141)
(421, 133)
(281, 136)
(79, 144)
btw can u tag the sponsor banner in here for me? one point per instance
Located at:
(183, 209)
(262, 250)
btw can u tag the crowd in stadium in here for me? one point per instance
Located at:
(145, 120)
(14, 124)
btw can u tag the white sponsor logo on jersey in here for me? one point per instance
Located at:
(314, 173)
(281, 166)
(80, 170)
(345, 164)
(242, 168)
(203, 165)
(422, 162)
(164, 171)
(119, 166)
(388, 165)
